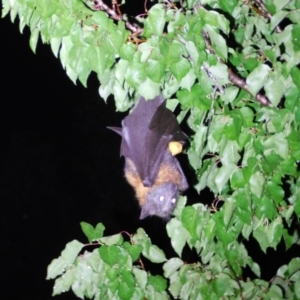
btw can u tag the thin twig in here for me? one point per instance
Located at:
(145, 6)
(241, 83)
(211, 76)
(116, 7)
(100, 5)
(234, 78)
(266, 13)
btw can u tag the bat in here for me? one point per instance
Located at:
(151, 137)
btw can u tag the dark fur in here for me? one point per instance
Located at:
(150, 168)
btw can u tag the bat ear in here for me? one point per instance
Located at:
(144, 213)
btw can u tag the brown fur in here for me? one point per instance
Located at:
(167, 173)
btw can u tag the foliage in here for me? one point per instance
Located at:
(233, 67)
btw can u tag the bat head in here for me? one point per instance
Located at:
(161, 201)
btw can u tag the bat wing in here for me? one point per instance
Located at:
(146, 133)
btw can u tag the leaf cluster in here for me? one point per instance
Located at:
(112, 271)
(115, 270)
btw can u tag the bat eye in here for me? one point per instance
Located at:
(173, 200)
(161, 198)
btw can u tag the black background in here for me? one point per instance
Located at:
(59, 165)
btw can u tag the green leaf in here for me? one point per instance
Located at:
(281, 144)
(288, 166)
(294, 265)
(180, 68)
(260, 236)
(178, 234)
(98, 59)
(257, 78)
(219, 286)
(230, 153)
(219, 72)
(171, 266)
(174, 54)
(155, 69)
(71, 251)
(215, 19)
(189, 219)
(277, 18)
(125, 291)
(296, 37)
(175, 288)
(88, 230)
(141, 238)
(116, 239)
(288, 240)
(63, 283)
(116, 39)
(127, 285)
(252, 167)
(112, 273)
(110, 254)
(113, 286)
(156, 20)
(239, 35)
(224, 235)
(223, 175)
(181, 202)
(68, 256)
(135, 74)
(233, 128)
(192, 51)
(154, 254)
(218, 42)
(159, 283)
(92, 233)
(188, 80)
(230, 93)
(274, 232)
(229, 208)
(276, 191)
(237, 179)
(274, 90)
(134, 250)
(228, 5)
(297, 289)
(267, 209)
(127, 51)
(149, 89)
(257, 182)
(297, 206)
(5, 9)
(56, 267)
(250, 64)
(295, 73)
(34, 39)
(270, 163)
(141, 277)
(55, 44)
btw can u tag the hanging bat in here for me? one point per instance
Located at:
(151, 137)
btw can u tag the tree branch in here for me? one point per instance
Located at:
(115, 14)
(266, 13)
(241, 83)
(234, 78)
